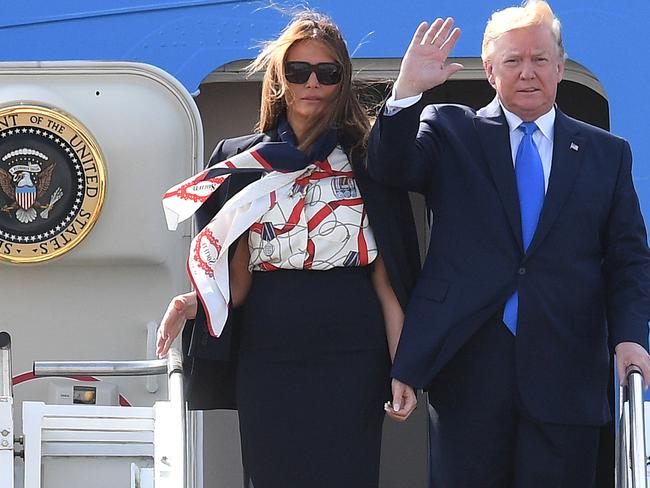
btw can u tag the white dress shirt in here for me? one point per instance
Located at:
(543, 138)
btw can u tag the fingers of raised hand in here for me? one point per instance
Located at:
(419, 34)
(434, 43)
(439, 34)
(450, 41)
(443, 32)
(433, 31)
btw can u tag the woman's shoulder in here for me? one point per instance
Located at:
(227, 148)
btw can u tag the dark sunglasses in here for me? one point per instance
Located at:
(300, 71)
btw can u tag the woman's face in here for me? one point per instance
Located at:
(307, 100)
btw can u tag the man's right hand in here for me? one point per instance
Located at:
(423, 66)
(181, 308)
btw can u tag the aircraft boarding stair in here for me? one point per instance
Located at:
(148, 444)
(158, 437)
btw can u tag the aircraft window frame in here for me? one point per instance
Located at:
(388, 68)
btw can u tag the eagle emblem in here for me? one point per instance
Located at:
(52, 183)
(27, 181)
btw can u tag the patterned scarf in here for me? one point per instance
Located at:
(207, 263)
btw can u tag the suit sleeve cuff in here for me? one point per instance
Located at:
(393, 106)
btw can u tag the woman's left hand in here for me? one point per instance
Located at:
(404, 401)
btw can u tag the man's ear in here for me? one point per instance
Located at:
(489, 71)
(560, 71)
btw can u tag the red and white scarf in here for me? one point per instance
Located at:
(207, 263)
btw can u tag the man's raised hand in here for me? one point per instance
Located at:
(424, 64)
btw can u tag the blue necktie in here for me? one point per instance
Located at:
(530, 185)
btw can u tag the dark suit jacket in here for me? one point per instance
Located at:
(583, 283)
(210, 362)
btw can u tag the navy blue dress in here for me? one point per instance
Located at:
(313, 374)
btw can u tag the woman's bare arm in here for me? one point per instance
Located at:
(393, 314)
(240, 277)
(404, 398)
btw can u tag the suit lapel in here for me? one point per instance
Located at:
(495, 140)
(568, 148)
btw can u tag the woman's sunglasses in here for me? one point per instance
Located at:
(300, 71)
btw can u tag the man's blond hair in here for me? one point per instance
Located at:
(531, 13)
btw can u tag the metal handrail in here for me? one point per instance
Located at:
(172, 365)
(101, 368)
(637, 427)
(631, 448)
(177, 401)
(5, 365)
(6, 414)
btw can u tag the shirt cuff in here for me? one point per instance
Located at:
(393, 106)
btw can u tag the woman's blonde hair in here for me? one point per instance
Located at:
(345, 115)
(532, 12)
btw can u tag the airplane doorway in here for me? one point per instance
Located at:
(229, 107)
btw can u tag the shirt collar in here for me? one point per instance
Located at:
(544, 123)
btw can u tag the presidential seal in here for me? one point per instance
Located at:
(52, 183)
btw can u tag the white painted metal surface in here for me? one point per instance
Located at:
(150, 435)
(100, 299)
(85, 431)
(6, 414)
(6, 442)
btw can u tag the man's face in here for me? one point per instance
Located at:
(525, 69)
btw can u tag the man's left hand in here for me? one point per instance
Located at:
(628, 353)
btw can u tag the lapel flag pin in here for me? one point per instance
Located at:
(574, 146)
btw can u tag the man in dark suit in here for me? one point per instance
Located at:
(538, 267)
